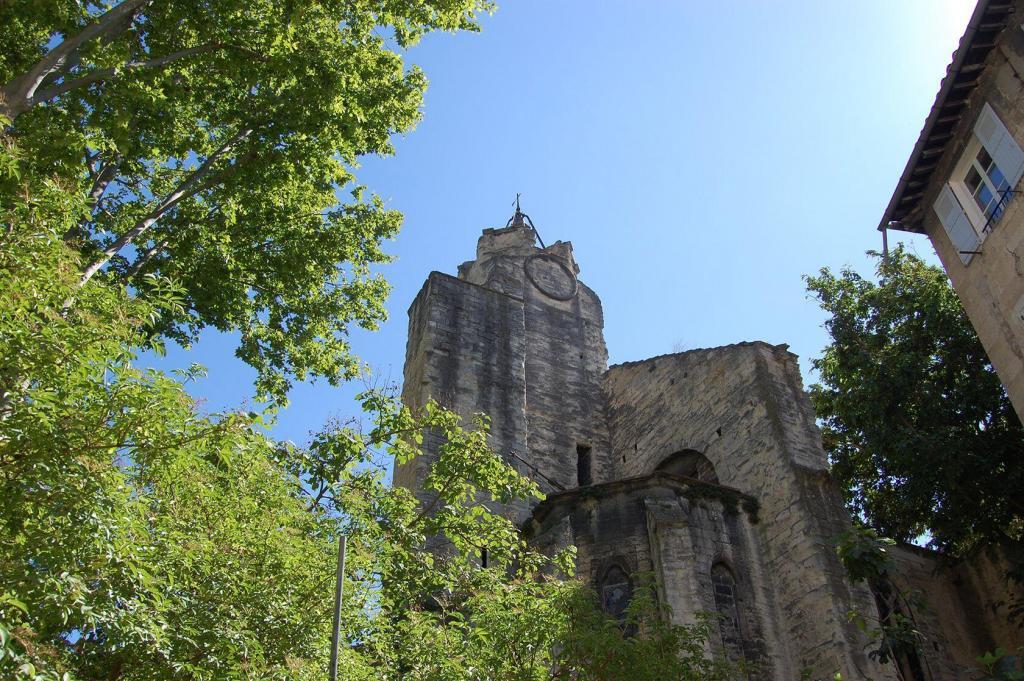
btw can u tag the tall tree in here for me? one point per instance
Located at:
(210, 141)
(919, 430)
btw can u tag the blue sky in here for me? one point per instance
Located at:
(701, 157)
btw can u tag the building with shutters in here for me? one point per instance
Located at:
(700, 473)
(961, 186)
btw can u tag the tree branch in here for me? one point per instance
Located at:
(16, 95)
(99, 185)
(429, 507)
(145, 258)
(68, 85)
(319, 497)
(195, 183)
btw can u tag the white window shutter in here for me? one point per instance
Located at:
(957, 226)
(1000, 144)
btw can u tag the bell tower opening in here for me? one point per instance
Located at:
(583, 466)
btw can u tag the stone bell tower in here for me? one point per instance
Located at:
(517, 336)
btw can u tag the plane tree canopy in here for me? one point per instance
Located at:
(211, 141)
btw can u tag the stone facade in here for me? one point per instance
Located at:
(702, 470)
(984, 257)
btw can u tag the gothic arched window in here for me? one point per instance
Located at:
(723, 585)
(616, 592)
(689, 463)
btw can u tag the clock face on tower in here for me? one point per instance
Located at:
(551, 277)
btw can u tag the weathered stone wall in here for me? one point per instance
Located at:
(948, 618)
(959, 609)
(565, 406)
(466, 350)
(985, 575)
(566, 353)
(991, 286)
(744, 408)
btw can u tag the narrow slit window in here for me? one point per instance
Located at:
(583, 465)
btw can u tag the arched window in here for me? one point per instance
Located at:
(616, 592)
(723, 585)
(689, 463)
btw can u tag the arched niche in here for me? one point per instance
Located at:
(689, 463)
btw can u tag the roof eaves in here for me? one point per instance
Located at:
(967, 61)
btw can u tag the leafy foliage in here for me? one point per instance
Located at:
(137, 540)
(919, 431)
(999, 665)
(865, 555)
(207, 142)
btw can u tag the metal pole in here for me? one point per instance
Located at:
(339, 586)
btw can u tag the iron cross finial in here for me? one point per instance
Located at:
(521, 219)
